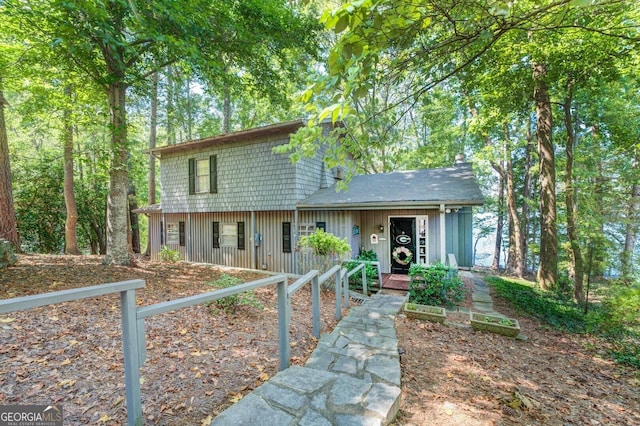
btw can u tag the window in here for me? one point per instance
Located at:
(229, 234)
(306, 229)
(181, 235)
(173, 233)
(321, 225)
(241, 238)
(216, 234)
(286, 237)
(203, 175)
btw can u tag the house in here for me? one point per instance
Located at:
(230, 200)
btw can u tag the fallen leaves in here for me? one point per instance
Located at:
(453, 376)
(197, 364)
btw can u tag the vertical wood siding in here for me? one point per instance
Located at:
(269, 254)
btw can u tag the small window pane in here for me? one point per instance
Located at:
(202, 175)
(229, 235)
(173, 233)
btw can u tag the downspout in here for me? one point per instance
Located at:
(189, 239)
(296, 227)
(254, 231)
(443, 240)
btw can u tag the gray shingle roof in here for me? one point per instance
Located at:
(417, 188)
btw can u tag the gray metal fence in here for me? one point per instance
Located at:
(133, 330)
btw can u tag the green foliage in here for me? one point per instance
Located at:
(321, 250)
(168, 255)
(617, 321)
(435, 285)
(355, 281)
(231, 303)
(561, 312)
(370, 255)
(325, 244)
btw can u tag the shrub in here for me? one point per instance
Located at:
(168, 255)
(323, 250)
(435, 285)
(231, 303)
(616, 321)
(559, 311)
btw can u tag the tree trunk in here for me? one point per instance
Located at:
(226, 110)
(171, 132)
(571, 202)
(526, 196)
(117, 206)
(153, 136)
(515, 250)
(71, 221)
(133, 220)
(631, 227)
(548, 267)
(499, 226)
(8, 224)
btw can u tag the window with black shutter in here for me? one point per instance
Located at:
(181, 233)
(241, 236)
(321, 225)
(216, 234)
(286, 237)
(203, 175)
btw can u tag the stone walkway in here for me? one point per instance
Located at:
(480, 296)
(351, 378)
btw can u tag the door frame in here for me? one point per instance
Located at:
(415, 230)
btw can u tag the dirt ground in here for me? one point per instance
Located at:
(452, 375)
(198, 363)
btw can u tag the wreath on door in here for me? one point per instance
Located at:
(402, 255)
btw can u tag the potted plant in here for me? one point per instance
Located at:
(495, 324)
(425, 312)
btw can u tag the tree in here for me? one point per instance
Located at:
(70, 226)
(120, 42)
(8, 226)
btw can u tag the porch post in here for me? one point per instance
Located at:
(443, 240)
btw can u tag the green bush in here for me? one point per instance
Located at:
(616, 321)
(321, 250)
(231, 303)
(168, 255)
(559, 311)
(435, 285)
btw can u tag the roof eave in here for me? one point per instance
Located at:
(429, 205)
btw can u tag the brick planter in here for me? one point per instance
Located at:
(495, 324)
(425, 312)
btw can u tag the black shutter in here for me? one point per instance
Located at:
(213, 174)
(192, 176)
(286, 237)
(161, 233)
(216, 234)
(240, 235)
(181, 233)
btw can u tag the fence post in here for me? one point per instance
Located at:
(283, 325)
(345, 288)
(338, 290)
(131, 357)
(315, 304)
(364, 280)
